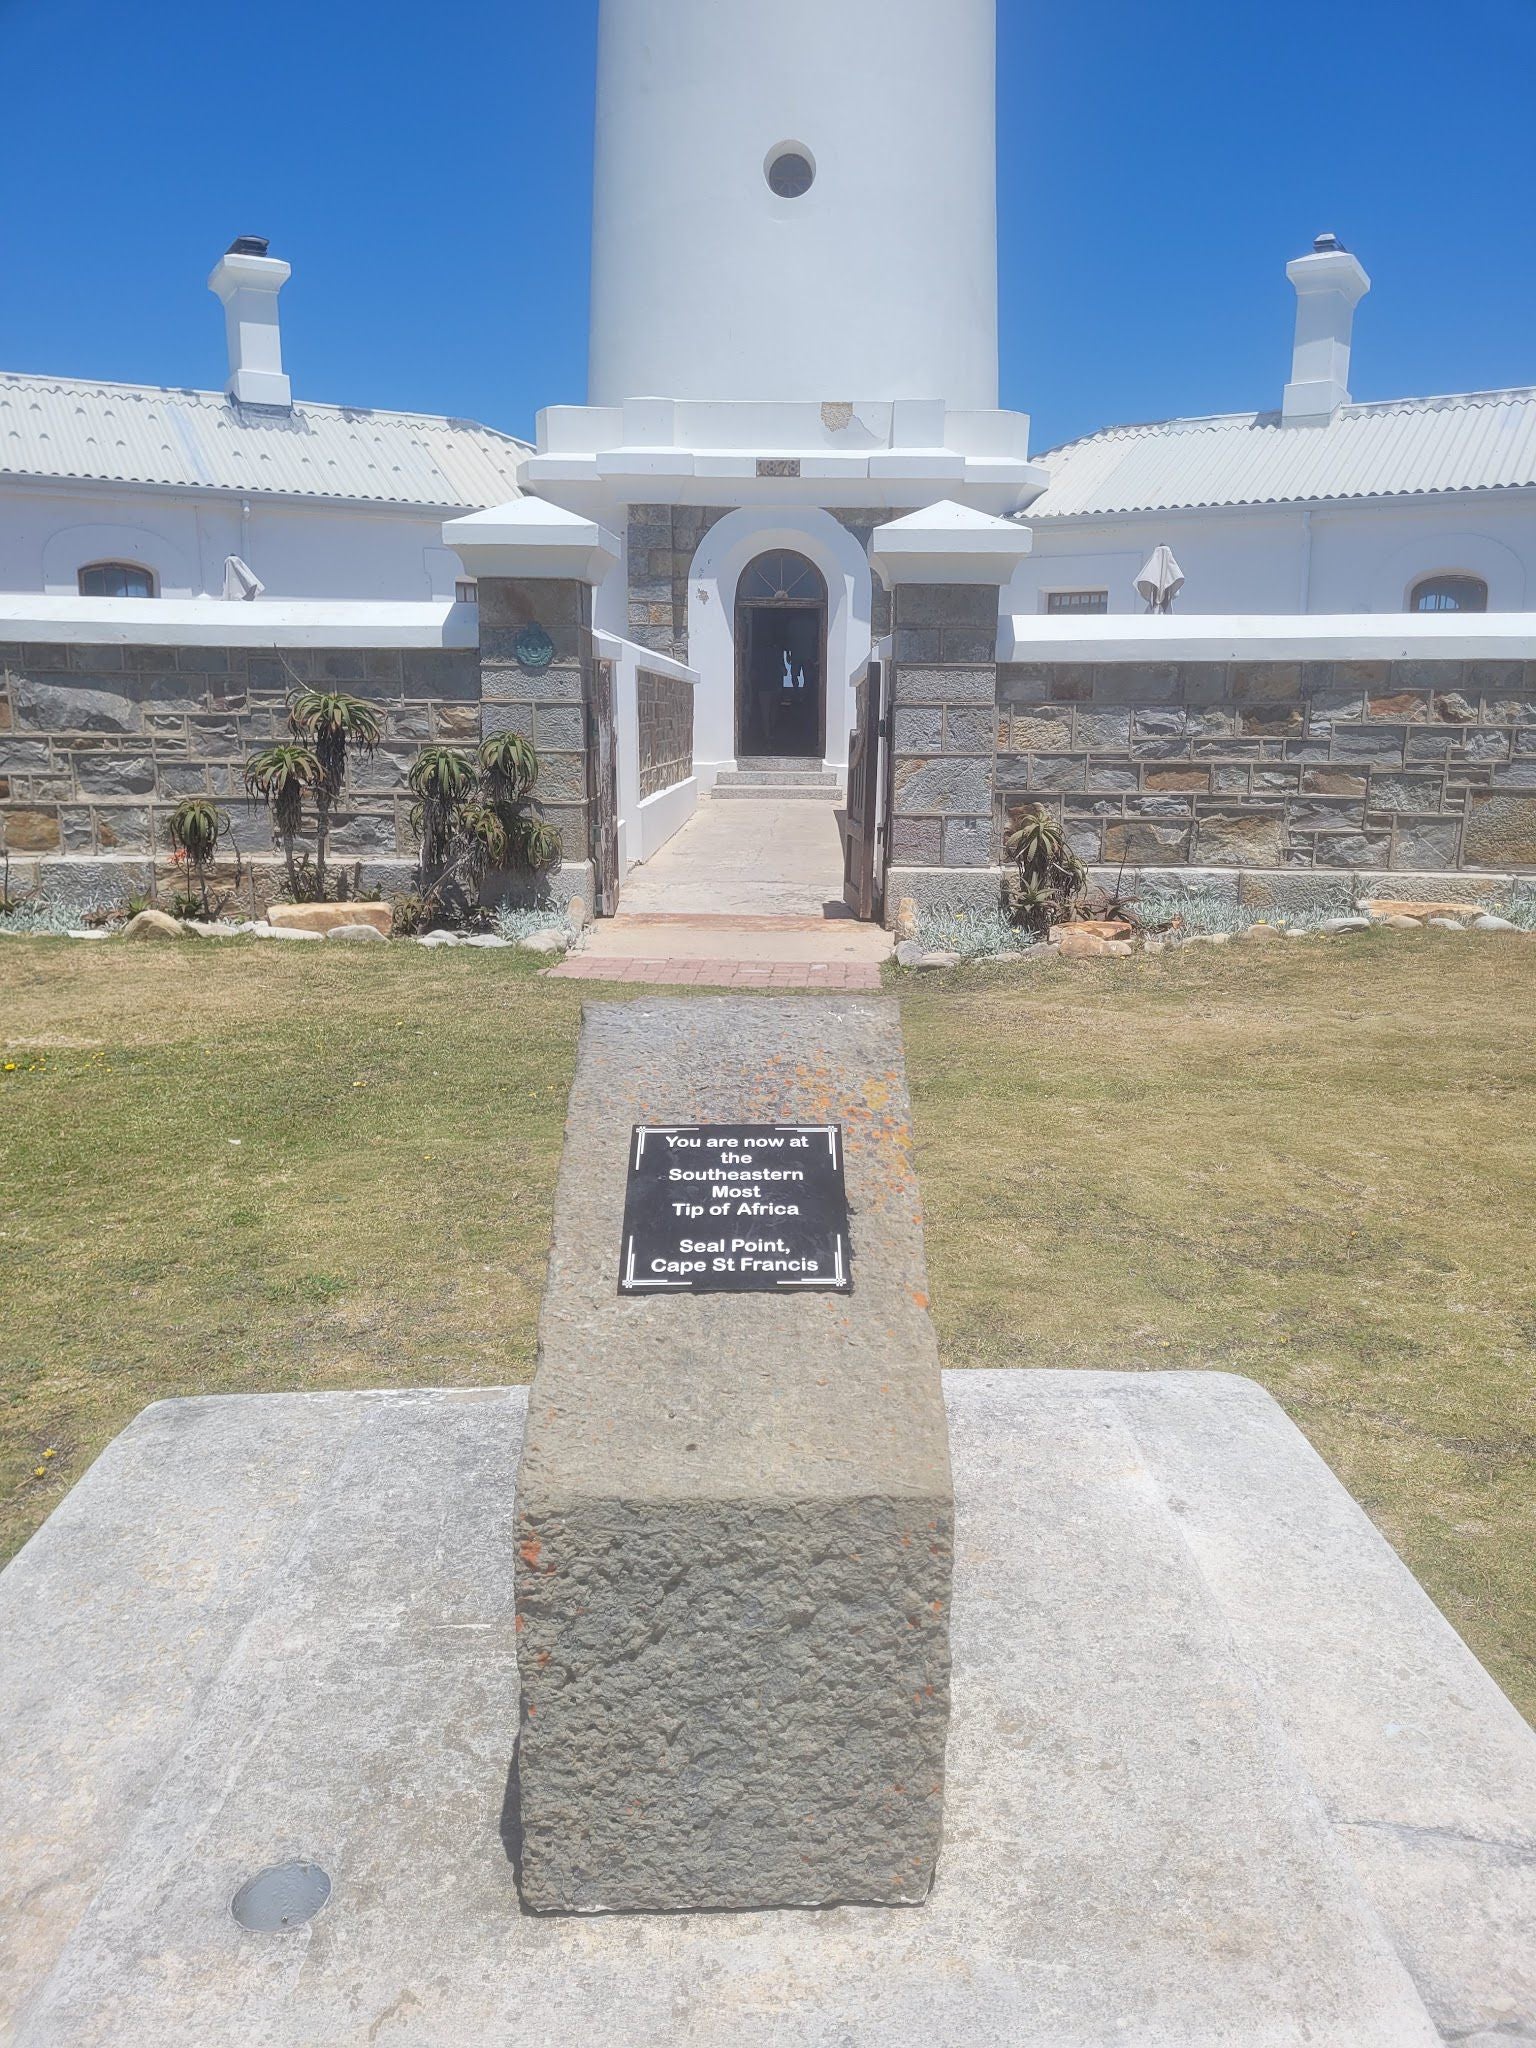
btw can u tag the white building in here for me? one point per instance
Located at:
(793, 338)
(123, 490)
(792, 432)
(1321, 505)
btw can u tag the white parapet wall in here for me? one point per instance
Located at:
(42, 621)
(1341, 636)
(646, 823)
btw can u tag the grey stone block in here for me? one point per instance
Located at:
(969, 842)
(925, 684)
(970, 729)
(73, 707)
(935, 888)
(918, 840)
(918, 729)
(952, 785)
(560, 727)
(115, 774)
(945, 604)
(734, 1512)
(1426, 843)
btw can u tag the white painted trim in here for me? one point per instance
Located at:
(661, 816)
(1343, 636)
(614, 647)
(728, 548)
(214, 622)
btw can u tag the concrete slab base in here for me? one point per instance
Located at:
(1220, 1775)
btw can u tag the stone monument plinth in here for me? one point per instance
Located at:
(734, 1509)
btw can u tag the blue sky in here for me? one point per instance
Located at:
(426, 172)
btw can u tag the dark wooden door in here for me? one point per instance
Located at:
(602, 789)
(864, 867)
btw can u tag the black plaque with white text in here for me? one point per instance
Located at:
(736, 1209)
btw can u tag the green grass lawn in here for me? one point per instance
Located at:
(245, 1167)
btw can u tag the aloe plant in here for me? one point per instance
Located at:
(471, 816)
(281, 777)
(335, 726)
(1051, 878)
(195, 828)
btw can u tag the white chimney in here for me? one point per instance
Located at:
(248, 280)
(1329, 283)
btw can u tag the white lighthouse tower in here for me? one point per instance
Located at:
(794, 342)
(796, 199)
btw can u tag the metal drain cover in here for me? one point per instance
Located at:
(283, 1897)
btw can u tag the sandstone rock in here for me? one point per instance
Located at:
(550, 942)
(1261, 934)
(282, 931)
(321, 918)
(1448, 924)
(436, 941)
(936, 961)
(1403, 924)
(154, 924)
(1339, 925)
(910, 952)
(1084, 945)
(86, 935)
(576, 913)
(1489, 923)
(358, 934)
(1383, 907)
(488, 942)
(1094, 928)
(906, 919)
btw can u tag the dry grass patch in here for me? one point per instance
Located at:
(236, 1168)
(1311, 1164)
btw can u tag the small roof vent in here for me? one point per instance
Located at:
(249, 245)
(1328, 245)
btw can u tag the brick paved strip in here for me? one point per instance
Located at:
(841, 975)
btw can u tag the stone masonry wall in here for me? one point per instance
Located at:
(663, 540)
(666, 731)
(1406, 765)
(944, 727)
(535, 652)
(98, 744)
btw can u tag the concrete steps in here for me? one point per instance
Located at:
(776, 780)
(778, 793)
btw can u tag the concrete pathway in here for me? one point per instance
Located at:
(747, 895)
(744, 860)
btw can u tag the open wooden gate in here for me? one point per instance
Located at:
(868, 751)
(602, 788)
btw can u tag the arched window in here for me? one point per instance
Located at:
(1449, 594)
(781, 578)
(116, 579)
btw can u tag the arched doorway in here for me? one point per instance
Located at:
(781, 658)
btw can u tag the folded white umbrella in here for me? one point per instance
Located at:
(240, 580)
(1160, 581)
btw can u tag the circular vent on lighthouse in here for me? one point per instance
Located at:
(791, 173)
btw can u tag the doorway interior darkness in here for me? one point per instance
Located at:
(781, 658)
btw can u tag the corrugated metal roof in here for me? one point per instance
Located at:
(201, 440)
(1485, 440)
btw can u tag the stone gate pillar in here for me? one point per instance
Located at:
(535, 566)
(944, 568)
